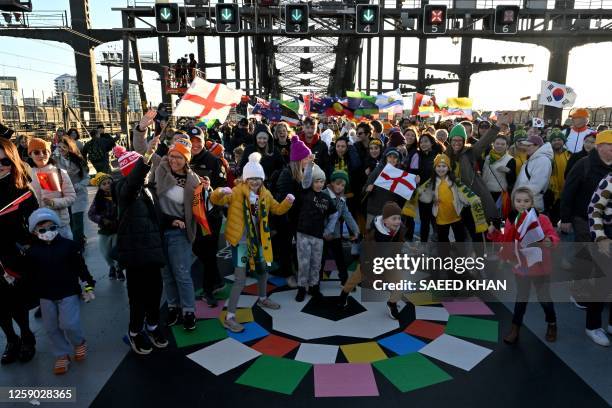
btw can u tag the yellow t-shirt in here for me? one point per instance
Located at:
(446, 210)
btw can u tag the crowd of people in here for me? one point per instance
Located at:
(291, 197)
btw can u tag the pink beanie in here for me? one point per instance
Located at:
(298, 149)
(127, 160)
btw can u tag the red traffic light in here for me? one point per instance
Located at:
(436, 16)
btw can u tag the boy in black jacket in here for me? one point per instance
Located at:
(316, 207)
(55, 265)
(209, 218)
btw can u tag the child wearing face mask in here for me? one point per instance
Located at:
(56, 266)
(248, 232)
(316, 207)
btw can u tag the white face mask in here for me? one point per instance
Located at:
(48, 236)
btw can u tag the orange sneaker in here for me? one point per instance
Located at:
(80, 352)
(61, 365)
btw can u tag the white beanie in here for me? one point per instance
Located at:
(253, 169)
(317, 173)
(327, 137)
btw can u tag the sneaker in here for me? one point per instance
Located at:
(157, 338)
(268, 304)
(291, 282)
(189, 321)
(80, 352)
(174, 314)
(112, 273)
(598, 336)
(140, 344)
(575, 302)
(393, 312)
(232, 325)
(61, 365)
(120, 275)
(210, 300)
(11, 352)
(301, 294)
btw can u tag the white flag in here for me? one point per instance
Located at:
(537, 122)
(206, 100)
(557, 95)
(397, 181)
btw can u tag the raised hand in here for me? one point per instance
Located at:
(147, 119)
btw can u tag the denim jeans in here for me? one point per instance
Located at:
(62, 322)
(177, 273)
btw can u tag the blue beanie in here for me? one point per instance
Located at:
(42, 215)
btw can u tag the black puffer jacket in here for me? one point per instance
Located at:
(139, 240)
(287, 185)
(205, 164)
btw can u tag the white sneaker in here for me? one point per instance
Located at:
(291, 282)
(575, 302)
(598, 336)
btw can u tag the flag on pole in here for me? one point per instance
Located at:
(459, 103)
(397, 181)
(14, 205)
(557, 95)
(390, 99)
(208, 100)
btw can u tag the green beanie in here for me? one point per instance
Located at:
(556, 133)
(519, 134)
(458, 131)
(339, 174)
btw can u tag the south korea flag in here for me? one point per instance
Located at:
(557, 95)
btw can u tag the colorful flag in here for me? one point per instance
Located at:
(390, 99)
(205, 99)
(338, 108)
(48, 181)
(557, 95)
(274, 111)
(459, 103)
(397, 181)
(423, 100)
(361, 103)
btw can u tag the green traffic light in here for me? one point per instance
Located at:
(368, 15)
(165, 13)
(296, 15)
(227, 14)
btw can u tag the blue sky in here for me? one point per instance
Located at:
(588, 71)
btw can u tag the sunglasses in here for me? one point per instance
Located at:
(40, 152)
(5, 161)
(52, 228)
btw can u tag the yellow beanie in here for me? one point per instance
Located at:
(604, 137)
(442, 159)
(37, 143)
(99, 178)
